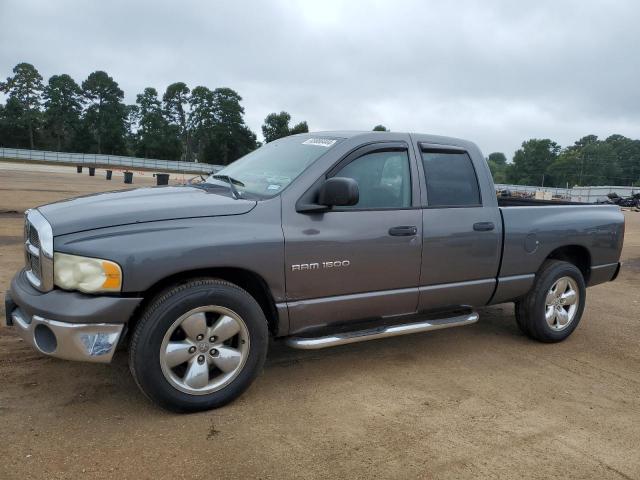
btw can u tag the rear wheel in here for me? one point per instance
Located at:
(198, 345)
(551, 311)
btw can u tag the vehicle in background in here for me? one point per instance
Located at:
(630, 201)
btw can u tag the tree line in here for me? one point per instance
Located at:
(91, 117)
(208, 126)
(589, 161)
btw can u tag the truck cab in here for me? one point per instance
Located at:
(425, 233)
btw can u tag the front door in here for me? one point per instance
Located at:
(358, 262)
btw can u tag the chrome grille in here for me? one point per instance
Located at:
(32, 252)
(34, 266)
(38, 250)
(33, 236)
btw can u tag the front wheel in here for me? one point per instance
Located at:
(552, 309)
(198, 345)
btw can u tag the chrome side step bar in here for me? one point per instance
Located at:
(383, 332)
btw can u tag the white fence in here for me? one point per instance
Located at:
(575, 194)
(106, 161)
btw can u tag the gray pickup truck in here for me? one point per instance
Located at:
(318, 239)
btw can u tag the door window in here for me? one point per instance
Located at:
(384, 179)
(451, 179)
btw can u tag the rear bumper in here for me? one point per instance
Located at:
(67, 325)
(617, 272)
(604, 273)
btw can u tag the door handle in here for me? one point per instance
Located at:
(403, 231)
(483, 226)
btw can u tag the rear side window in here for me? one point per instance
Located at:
(451, 179)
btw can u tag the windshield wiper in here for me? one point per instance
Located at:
(231, 181)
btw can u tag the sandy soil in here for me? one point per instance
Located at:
(475, 402)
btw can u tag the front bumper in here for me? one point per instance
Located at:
(90, 342)
(67, 325)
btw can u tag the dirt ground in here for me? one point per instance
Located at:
(476, 402)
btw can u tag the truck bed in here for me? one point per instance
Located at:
(531, 234)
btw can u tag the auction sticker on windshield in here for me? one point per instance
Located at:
(320, 142)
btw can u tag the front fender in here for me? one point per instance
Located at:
(149, 252)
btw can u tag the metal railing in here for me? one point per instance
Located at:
(106, 161)
(575, 194)
(591, 194)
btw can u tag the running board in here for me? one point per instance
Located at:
(382, 332)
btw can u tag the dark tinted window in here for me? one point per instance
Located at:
(383, 179)
(451, 179)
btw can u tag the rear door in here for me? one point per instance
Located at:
(461, 229)
(363, 261)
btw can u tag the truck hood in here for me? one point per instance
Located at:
(150, 204)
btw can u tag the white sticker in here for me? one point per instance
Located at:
(319, 142)
(273, 187)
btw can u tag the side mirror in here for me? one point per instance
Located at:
(339, 192)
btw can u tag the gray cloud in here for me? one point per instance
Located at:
(495, 72)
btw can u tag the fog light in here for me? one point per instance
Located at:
(45, 339)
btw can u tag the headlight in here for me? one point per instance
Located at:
(89, 275)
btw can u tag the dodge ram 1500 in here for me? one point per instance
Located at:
(318, 239)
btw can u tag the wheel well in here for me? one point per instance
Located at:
(253, 283)
(575, 254)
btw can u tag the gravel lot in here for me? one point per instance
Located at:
(480, 401)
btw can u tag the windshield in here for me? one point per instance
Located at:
(267, 170)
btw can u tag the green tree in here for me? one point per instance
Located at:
(25, 88)
(590, 161)
(497, 162)
(233, 137)
(498, 158)
(156, 138)
(14, 131)
(106, 115)
(301, 127)
(175, 101)
(276, 125)
(627, 153)
(63, 107)
(131, 125)
(217, 126)
(202, 118)
(380, 128)
(530, 163)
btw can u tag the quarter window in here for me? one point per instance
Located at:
(451, 179)
(383, 179)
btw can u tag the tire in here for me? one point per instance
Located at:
(519, 319)
(212, 370)
(539, 313)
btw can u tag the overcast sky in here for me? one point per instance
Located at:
(495, 72)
